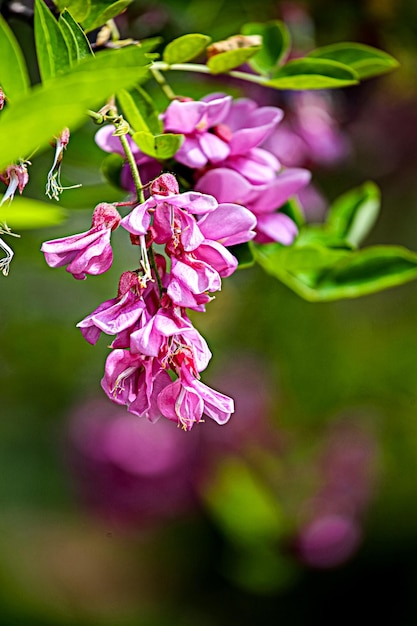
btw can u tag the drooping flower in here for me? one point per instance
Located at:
(187, 399)
(135, 381)
(89, 252)
(117, 314)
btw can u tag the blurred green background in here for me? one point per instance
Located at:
(302, 509)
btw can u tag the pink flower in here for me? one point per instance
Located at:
(167, 334)
(187, 399)
(194, 120)
(262, 200)
(89, 252)
(135, 381)
(117, 314)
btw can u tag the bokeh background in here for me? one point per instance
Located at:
(303, 508)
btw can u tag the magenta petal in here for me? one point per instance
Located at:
(259, 166)
(198, 276)
(229, 224)
(276, 227)
(225, 185)
(183, 117)
(138, 220)
(191, 154)
(214, 148)
(96, 259)
(218, 106)
(216, 405)
(218, 257)
(275, 194)
(194, 202)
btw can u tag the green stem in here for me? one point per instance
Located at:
(97, 117)
(203, 69)
(160, 79)
(133, 168)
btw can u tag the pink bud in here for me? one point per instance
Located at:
(165, 185)
(105, 215)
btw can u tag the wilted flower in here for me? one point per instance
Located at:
(15, 177)
(89, 252)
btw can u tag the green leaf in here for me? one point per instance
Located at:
(51, 47)
(225, 61)
(320, 234)
(317, 273)
(146, 108)
(79, 9)
(24, 213)
(365, 60)
(352, 216)
(131, 111)
(79, 41)
(160, 146)
(312, 74)
(185, 48)
(47, 109)
(101, 11)
(14, 78)
(276, 42)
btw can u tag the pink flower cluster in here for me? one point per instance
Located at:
(157, 355)
(223, 155)
(222, 144)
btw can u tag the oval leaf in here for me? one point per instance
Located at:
(14, 78)
(312, 74)
(185, 48)
(24, 213)
(230, 59)
(365, 60)
(276, 42)
(161, 146)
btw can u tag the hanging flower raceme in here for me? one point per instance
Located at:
(89, 252)
(157, 354)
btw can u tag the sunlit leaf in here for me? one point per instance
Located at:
(160, 146)
(64, 100)
(24, 213)
(131, 111)
(13, 73)
(185, 48)
(80, 42)
(275, 44)
(225, 61)
(51, 47)
(311, 73)
(318, 273)
(79, 9)
(365, 60)
(352, 216)
(101, 11)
